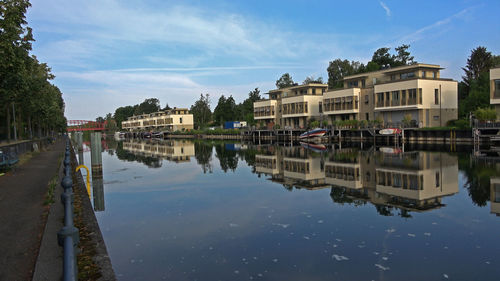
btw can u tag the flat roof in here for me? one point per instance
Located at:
(394, 69)
(299, 86)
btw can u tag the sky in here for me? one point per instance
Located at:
(111, 53)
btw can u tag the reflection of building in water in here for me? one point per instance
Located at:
(495, 196)
(293, 166)
(96, 163)
(172, 150)
(414, 181)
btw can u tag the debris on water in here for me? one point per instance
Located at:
(255, 258)
(282, 225)
(411, 235)
(275, 260)
(445, 276)
(385, 258)
(236, 272)
(233, 225)
(445, 247)
(487, 262)
(382, 267)
(320, 221)
(137, 245)
(132, 261)
(376, 253)
(340, 258)
(361, 246)
(434, 223)
(335, 245)
(427, 234)
(339, 240)
(260, 275)
(210, 248)
(306, 237)
(390, 230)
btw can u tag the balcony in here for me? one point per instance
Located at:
(342, 101)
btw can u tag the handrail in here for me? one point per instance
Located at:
(68, 236)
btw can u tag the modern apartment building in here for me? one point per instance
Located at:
(414, 91)
(176, 119)
(495, 89)
(290, 107)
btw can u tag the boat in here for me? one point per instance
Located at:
(313, 146)
(390, 150)
(390, 131)
(318, 132)
(158, 135)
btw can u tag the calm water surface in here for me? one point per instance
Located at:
(183, 210)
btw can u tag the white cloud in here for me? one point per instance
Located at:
(422, 32)
(387, 10)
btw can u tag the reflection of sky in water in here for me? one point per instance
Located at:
(177, 223)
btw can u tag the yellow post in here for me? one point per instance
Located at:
(88, 177)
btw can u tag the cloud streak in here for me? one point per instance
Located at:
(387, 10)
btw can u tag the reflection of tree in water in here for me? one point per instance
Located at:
(151, 162)
(342, 196)
(203, 155)
(477, 179)
(228, 158)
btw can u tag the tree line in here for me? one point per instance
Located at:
(30, 105)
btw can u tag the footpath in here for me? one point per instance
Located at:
(23, 214)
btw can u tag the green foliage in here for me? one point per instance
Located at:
(474, 90)
(147, 106)
(225, 109)
(485, 114)
(314, 124)
(25, 82)
(338, 69)
(202, 114)
(122, 113)
(285, 81)
(406, 120)
(311, 80)
(458, 124)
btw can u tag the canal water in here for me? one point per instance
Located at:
(205, 210)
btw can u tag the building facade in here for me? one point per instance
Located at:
(292, 107)
(495, 89)
(414, 93)
(176, 119)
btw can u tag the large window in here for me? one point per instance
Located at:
(496, 94)
(436, 96)
(352, 84)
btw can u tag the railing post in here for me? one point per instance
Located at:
(68, 236)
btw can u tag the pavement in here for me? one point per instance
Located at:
(22, 222)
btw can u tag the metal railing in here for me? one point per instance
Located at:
(68, 236)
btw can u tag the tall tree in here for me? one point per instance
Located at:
(403, 56)
(225, 110)
(202, 114)
(148, 106)
(479, 61)
(382, 57)
(122, 113)
(245, 109)
(285, 81)
(337, 70)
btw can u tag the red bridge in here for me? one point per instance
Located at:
(85, 125)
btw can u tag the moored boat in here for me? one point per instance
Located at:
(318, 132)
(314, 146)
(390, 131)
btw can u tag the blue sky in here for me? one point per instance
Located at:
(111, 53)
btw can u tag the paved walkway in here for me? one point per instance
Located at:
(21, 207)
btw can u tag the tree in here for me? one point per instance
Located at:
(245, 109)
(202, 114)
(337, 70)
(285, 81)
(311, 79)
(225, 110)
(403, 56)
(148, 106)
(167, 107)
(474, 89)
(122, 113)
(382, 57)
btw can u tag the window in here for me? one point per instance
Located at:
(434, 75)
(423, 73)
(367, 99)
(437, 180)
(352, 84)
(363, 83)
(367, 117)
(436, 96)
(314, 91)
(180, 120)
(393, 77)
(320, 107)
(436, 117)
(496, 93)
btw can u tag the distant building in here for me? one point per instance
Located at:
(176, 119)
(416, 91)
(495, 89)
